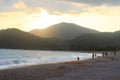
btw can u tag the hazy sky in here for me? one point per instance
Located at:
(102, 15)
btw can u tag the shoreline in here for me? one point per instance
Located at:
(47, 71)
(58, 50)
(37, 64)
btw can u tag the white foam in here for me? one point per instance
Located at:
(19, 58)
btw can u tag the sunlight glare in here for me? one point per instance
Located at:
(44, 20)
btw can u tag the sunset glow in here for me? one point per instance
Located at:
(43, 20)
(37, 14)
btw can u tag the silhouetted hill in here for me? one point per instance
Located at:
(117, 33)
(98, 41)
(16, 39)
(62, 31)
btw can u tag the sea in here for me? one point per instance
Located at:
(10, 58)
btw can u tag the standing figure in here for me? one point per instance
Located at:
(78, 58)
(103, 54)
(106, 54)
(93, 56)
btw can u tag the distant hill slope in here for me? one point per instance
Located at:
(98, 41)
(17, 39)
(62, 31)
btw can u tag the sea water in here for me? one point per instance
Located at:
(16, 58)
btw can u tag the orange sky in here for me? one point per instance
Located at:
(31, 14)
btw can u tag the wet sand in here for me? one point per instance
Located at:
(74, 70)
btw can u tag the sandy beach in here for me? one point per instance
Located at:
(97, 69)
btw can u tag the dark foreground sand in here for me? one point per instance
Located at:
(98, 69)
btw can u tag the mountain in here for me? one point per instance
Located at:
(97, 41)
(62, 31)
(117, 33)
(17, 39)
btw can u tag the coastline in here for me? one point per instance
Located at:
(19, 58)
(48, 71)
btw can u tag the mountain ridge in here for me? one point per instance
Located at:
(63, 31)
(98, 41)
(17, 39)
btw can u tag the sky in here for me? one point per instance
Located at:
(101, 15)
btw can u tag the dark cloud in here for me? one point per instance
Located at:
(56, 6)
(53, 6)
(97, 2)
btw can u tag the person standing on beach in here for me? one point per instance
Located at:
(93, 56)
(106, 54)
(103, 54)
(78, 58)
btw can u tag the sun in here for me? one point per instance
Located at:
(44, 20)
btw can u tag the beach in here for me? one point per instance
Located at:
(97, 69)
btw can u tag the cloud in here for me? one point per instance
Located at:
(61, 7)
(89, 13)
(80, 4)
(104, 10)
(18, 19)
(97, 2)
(19, 5)
(8, 2)
(29, 10)
(32, 11)
(55, 7)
